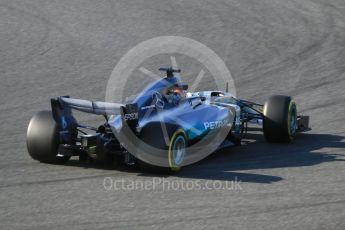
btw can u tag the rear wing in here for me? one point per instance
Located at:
(62, 113)
(94, 107)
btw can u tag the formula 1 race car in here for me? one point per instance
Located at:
(156, 129)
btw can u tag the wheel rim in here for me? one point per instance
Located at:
(179, 150)
(293, 120)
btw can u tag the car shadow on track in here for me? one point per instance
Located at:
(257, 154)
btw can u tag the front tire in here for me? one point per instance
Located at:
(280, 119)
(42, 139)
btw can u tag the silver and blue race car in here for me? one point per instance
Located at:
(164, 128)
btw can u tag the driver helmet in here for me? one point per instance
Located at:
(175, 95)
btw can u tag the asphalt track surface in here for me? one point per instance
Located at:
(51, 48)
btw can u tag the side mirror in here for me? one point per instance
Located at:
(183, 86)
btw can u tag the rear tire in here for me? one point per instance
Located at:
(176, 153)
(280, 119)
(177, 150)
(42, 139)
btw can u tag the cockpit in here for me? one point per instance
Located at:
(176, 93)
